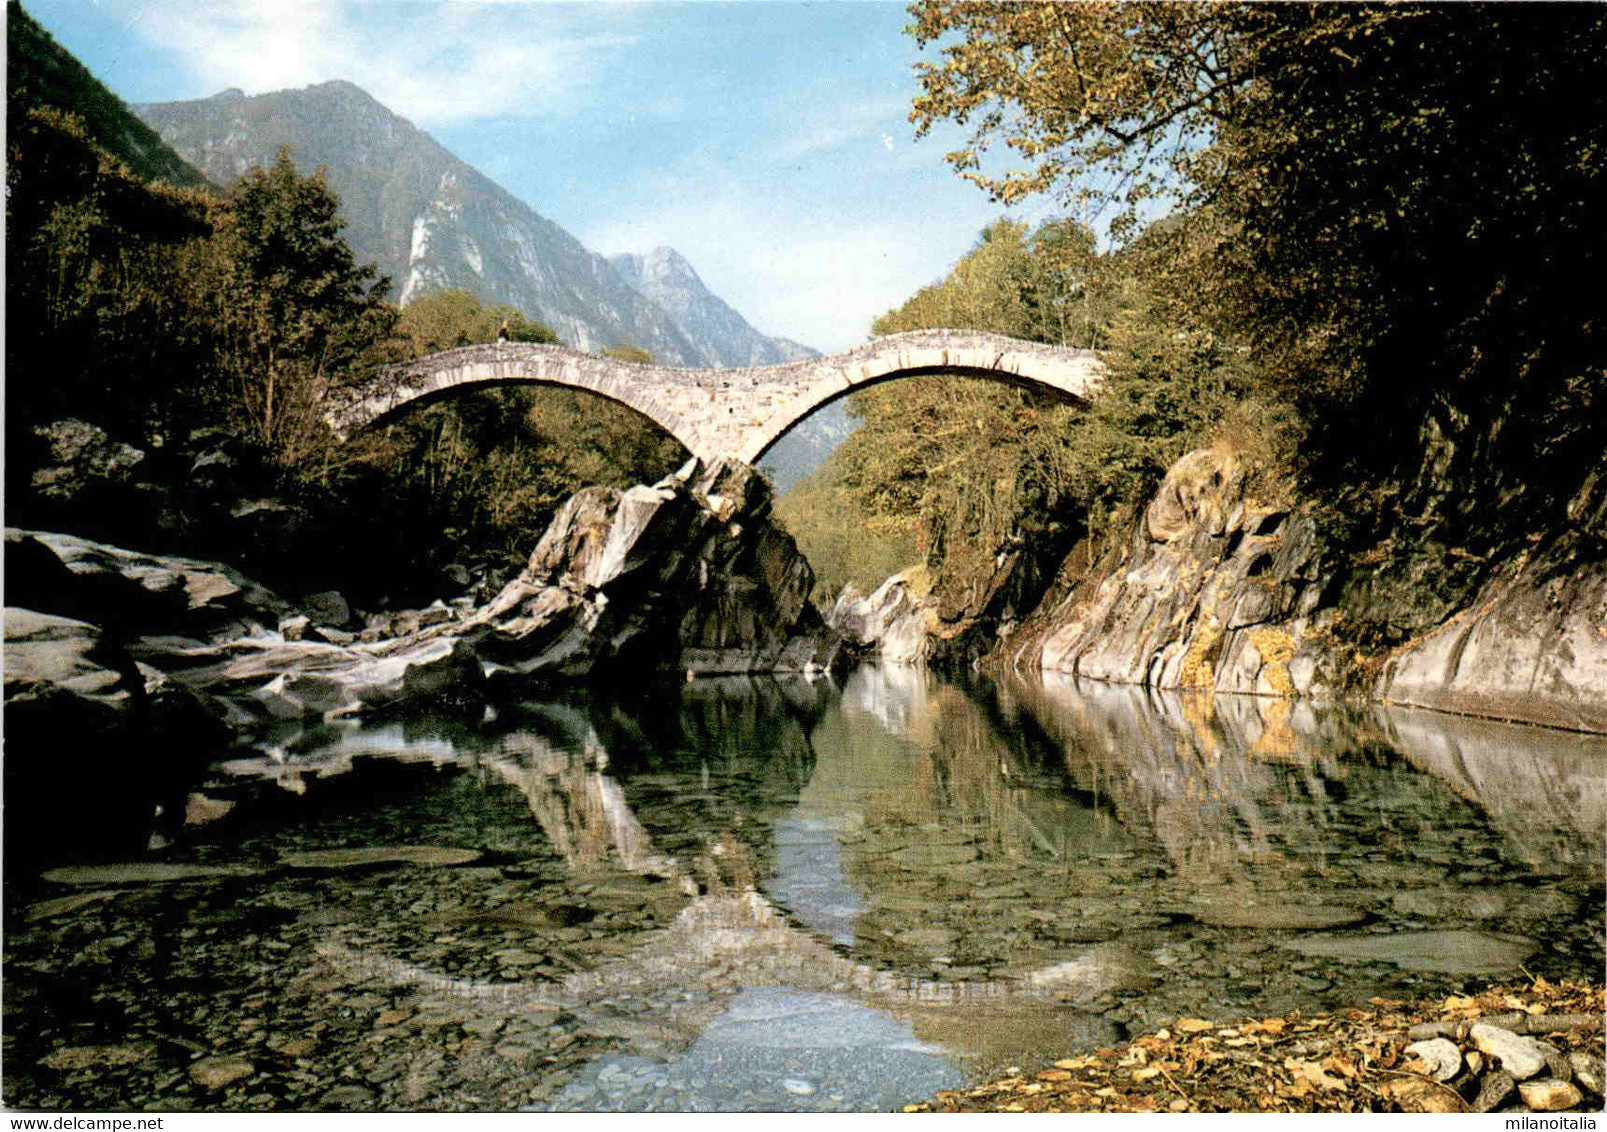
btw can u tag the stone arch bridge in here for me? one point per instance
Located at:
(726, 412)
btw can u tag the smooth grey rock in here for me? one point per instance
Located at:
(110, 585)
(1443, 1057)
(1529, 646)
(1270, 916)
(430, 855)
(893, 620)
(1520, 1056)
(143, 872)
(64, 905)
(45, 651)
(1449, 952)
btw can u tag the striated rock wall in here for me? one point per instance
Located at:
(1216, 590)
(1531, 647)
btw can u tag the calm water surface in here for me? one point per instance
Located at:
(745, 894)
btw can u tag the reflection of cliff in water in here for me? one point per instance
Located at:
(1546, 790)
(1241, 788)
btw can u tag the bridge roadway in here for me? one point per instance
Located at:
(726, 412)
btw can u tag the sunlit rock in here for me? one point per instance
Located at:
(1448, 952)
(428, 855)
(1529, 647)
(1216, 592)
(144, 872)
(894, 622)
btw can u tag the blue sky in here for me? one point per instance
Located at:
(768, 142)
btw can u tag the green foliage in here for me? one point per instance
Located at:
(167, 312)
(633, 354)
(448, 319)
(842, 540)
(1390, 204)
(41, 74)
(297, 312)
(90, 290)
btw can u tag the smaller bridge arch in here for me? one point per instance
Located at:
(727, 412)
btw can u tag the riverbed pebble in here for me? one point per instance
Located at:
(1444, 1060)
(220, 1072)
(1520, 1056)
(1547, 1094)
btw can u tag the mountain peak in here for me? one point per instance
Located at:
(433, 223)
(665, 276)
(233, 94)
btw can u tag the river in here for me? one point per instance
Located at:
(746, 894)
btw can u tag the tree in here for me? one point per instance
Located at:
(91, 289)
(296, 311)
(1387, 203)
(447, 319)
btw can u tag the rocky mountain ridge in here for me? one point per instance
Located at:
(664, 276)
(432, 222)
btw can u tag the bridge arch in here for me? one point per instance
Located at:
(727, 412)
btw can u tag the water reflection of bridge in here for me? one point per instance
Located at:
(834, 841)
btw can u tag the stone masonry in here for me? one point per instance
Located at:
(727, 412)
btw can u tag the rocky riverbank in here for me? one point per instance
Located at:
(1227, 583)
(108, 649)
(1511, 1049)
(688, 574)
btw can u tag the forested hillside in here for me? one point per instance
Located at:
(1367, 286)
(39, 72)
(170, 349)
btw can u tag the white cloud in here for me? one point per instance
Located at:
(436, 65)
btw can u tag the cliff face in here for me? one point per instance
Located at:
(1532, 645)
(1216, 590)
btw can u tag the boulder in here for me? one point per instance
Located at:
(81, 457)
(894, 622)
(1198, 493)
(129, 593)
(1528, 648)
(327, 608)
(1448, 952)
(86, 736)
(1216, 591)
(688, 574)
